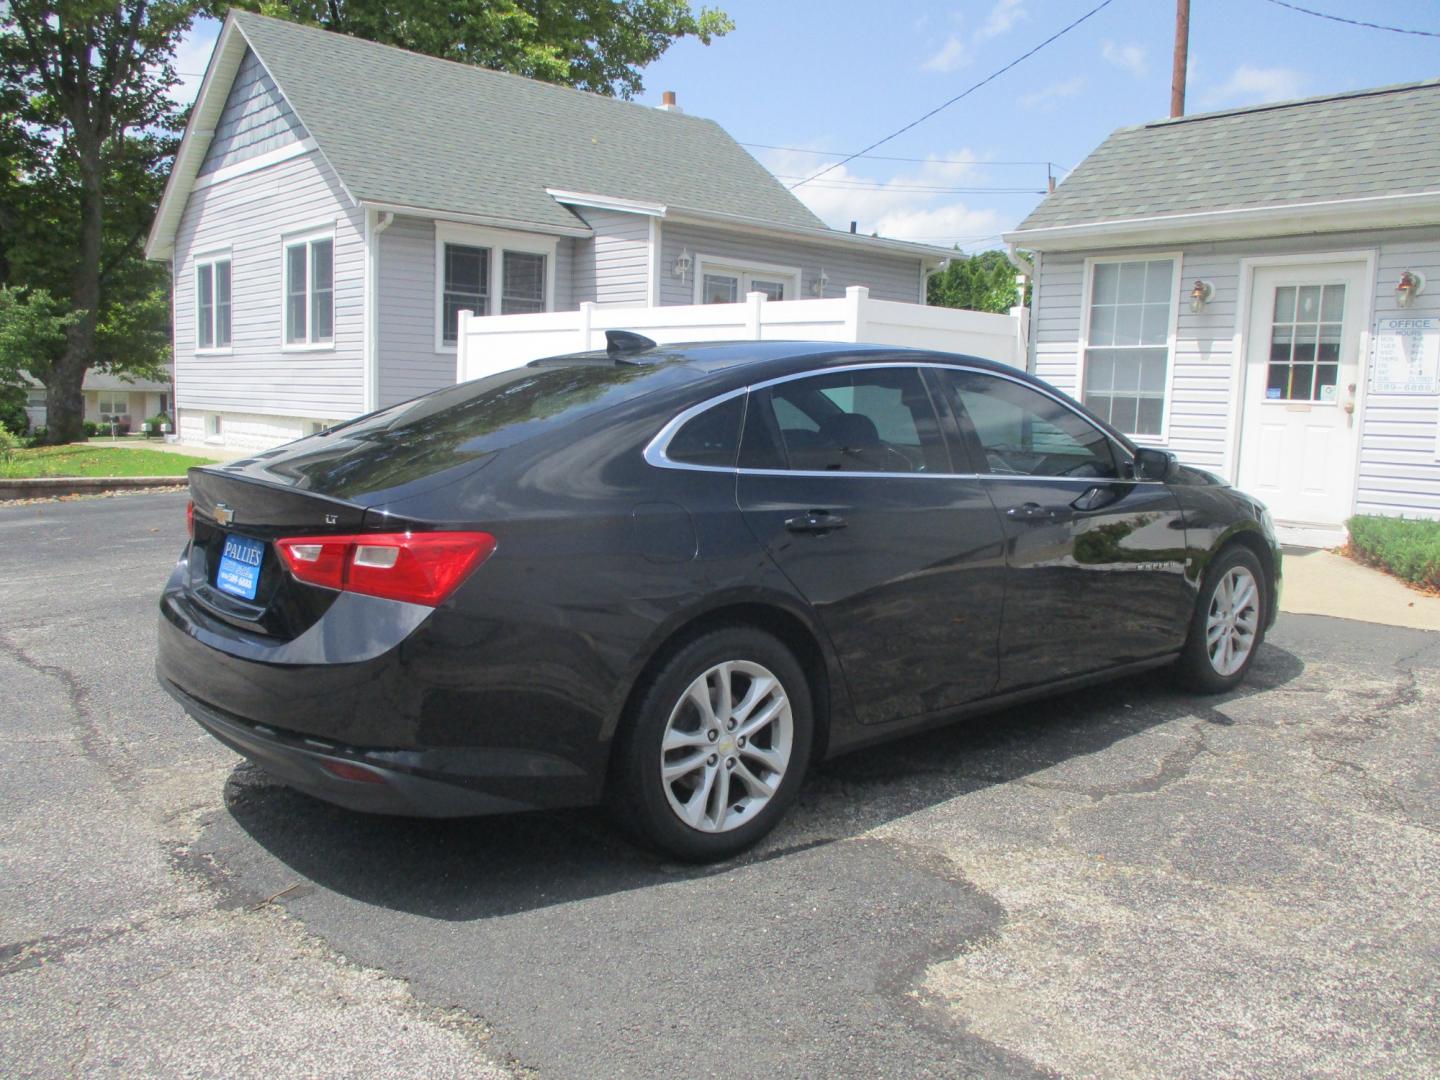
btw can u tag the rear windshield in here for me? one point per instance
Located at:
(460, 425)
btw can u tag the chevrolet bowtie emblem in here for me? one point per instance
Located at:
(223, 514)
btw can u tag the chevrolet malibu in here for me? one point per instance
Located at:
(673, 577)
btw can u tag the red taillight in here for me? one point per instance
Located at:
(418, 568)
(190, 518)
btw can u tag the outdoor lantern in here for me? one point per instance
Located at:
(1201, 294)
(1411, 285)
(682, 263)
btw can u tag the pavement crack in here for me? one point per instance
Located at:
(93, 742)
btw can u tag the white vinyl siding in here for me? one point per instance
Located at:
(613, 266)
(256, 119)
(1398, 467)
(252, 216)
(889, 277)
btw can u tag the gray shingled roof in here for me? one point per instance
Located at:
(412, 130)
(1373, 142)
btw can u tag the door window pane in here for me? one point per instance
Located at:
(466, 286)
(879, 421)
(1305, 343)
(773, 290)
(1128, 342)
(720, 289)
(1022, 432)
(523, 283)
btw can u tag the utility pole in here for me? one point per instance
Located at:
(1182, 57)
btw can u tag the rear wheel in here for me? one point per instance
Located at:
(1228, 624)
(717, 747)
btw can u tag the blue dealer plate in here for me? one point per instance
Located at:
(239, 572)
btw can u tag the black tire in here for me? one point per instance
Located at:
(1196, 669)
(638, 794)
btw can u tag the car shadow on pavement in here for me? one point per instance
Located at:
(480, 868)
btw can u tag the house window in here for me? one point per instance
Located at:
(487, 272)
(114, 404)
(724, 283)
(213, 425)
(35, 398)
(212, 304)
(1127, 343)
(310, 291)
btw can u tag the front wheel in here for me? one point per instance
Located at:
(717, 747)
(1228, 624)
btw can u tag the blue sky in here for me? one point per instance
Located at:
(835, 75)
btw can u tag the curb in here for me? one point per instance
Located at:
(44, 486)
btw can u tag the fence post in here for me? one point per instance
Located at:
(1021, 315)
(462, 347)
(754, 314)
(587, 308)
(856, 296)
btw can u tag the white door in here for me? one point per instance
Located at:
(1302, 371)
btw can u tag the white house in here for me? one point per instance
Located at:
(335, 205)
(1258, 290)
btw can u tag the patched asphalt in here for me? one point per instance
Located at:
(1125, 881)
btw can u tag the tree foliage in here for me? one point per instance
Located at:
(596, 45)
(983, 282)
(88, 131)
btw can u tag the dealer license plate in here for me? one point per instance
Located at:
(239, 572)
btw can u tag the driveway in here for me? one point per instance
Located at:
(1121, 882)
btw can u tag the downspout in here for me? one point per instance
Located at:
(371, 382)
(1031, 271)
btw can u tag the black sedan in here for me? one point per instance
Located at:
(672, 577)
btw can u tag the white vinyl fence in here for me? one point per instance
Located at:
(501, 342)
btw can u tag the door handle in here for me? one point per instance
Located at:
(815, 521)
(1029, 512)
(1095, 498)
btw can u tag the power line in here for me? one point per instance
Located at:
(1354, 22)
(964, 93)
(881, 185)
(884, 157)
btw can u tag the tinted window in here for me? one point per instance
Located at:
(711, 438)
(1022, 432)
(879, 420)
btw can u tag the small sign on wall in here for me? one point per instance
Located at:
(1407, 356)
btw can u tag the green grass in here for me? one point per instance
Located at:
(1407, 547)
(87, 459)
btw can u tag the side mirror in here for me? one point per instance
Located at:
(1155, 464)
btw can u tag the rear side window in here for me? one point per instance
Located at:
(712, 438)
(1023, 432)
(877, 420)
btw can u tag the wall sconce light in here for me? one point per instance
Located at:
(682, 263)
(1411, 285)
(819, 287)
(1201, 295)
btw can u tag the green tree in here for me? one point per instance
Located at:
(983, 282)
(89, 131)
(596, 45)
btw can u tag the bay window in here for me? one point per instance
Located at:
(1127, 342)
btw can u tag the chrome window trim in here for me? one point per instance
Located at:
(654, 452)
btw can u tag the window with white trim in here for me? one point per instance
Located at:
(212, 304)
(488, 272)
(1127, 342)
(114, 404)
(310, 291)
(725, 283)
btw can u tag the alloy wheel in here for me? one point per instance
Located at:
(1232, 621)
(726, 746)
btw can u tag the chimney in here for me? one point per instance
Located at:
(852, 226)
(667, 102)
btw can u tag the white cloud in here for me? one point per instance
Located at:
(1133, 58)
(953, 54)
(1004, 15)
(1045, 98)
(891, 205)
(191, 57)
(1251, 85)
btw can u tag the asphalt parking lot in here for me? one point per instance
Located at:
(1124, 882)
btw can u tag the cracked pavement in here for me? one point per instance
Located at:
(1125, 881)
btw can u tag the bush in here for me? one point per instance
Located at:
(1407, 547)
(37, 435)
(91, 429)
(13, 416)
(9, 443)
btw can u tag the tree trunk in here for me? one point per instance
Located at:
(64, 400)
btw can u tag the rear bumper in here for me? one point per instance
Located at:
(368, 780)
